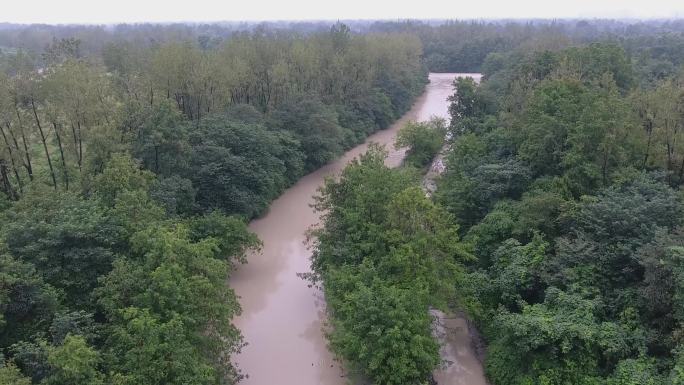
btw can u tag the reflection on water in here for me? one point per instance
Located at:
(281, 315)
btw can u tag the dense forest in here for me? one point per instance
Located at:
(565, 174)
(127, 176)
(448, 45)
(556, 227)
(132, 157)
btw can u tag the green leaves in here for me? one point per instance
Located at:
(74, 363)
(386, 254)
(26, 301)
(10, 375)
(423, 139)
(147, 350)
(231, 234)
(119, 248)
(240, 167)
(385, 330)
(69, 240)
(553, 340)
(150, 299)
(121, 174)
(315, 125)
(100, 275)
(563, 185)
(640, 371)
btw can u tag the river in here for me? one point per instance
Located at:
(282, 316)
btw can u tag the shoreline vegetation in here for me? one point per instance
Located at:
(562, 203)
(380, 277)
(128, 176)
(362, 261)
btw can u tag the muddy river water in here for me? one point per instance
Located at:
(282, 316)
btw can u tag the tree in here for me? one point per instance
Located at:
(559, 341)
(121, 174)
(74, 363)
(27, 303)
(70, 240)
(563, 183)
(380, 329)
(640, 371)
(606, 231)
(160, 140)
(144, 143)
(231, 233)
(149, 297)
(32, 359)
(10, 375)
(147, 350)
(176, 194)
(424, 140)
(467, 106)
(385, 254)
(316, 127)
(239, 167)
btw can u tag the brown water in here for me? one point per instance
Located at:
(462, 365)
(282, 316)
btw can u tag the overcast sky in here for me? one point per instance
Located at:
(115, 11)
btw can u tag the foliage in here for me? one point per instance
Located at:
(565, 179)
(148, 350)
(237, 167)
(423, 140)
(10, 375)
(384, 255)
(74, 363)
(127, 174)
(70, 241)
(131, 157)
(117, 247)
(26, 301)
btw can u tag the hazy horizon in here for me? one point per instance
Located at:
(208, 11)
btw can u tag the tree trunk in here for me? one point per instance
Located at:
(45, 147)
(649, 129)
(198, 110)
(6, 185)
(211, 98)
(104, 108)
(78, 143)
(11, 156)
(61, 153)
(604, 168)
(73, 133)
(27, 164)
(156, 159)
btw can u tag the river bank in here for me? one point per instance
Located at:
(462, 348)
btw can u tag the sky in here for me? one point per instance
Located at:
(131, 11)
